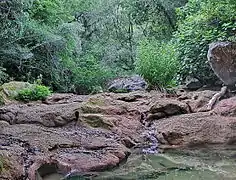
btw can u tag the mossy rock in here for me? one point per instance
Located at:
(86, 108)
(2, 101)
(98, 121)
(96, 101)
(4, 164)
(1, 164)
(10, 90)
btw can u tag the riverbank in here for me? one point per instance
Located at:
(86, 135)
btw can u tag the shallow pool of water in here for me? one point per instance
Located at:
(212, 163)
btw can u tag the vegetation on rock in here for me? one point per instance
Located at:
(8, 91)
(33, 93)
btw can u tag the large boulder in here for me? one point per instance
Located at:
(222, 58)
(128, 84)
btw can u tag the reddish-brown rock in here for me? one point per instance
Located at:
(96, 132)
(226, 107)
(196, 129)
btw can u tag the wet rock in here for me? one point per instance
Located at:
(48, 171)
(133, 83)
(77, 148)
(37, 138)
(222, 58)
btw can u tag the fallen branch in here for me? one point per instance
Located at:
(216, 98)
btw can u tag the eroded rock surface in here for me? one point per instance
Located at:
(84, 135)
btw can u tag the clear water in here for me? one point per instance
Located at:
(212, 163)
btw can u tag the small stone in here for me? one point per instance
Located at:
(192, 84)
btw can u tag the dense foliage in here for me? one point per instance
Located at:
(202, 22)
(79, 45)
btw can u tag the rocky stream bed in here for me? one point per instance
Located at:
(137, 135)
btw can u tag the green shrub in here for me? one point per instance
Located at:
(157, 62)
(202, 22)
(34, 93)
(89, 75)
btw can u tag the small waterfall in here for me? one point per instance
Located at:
(151, 144)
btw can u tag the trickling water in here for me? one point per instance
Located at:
(151, 146)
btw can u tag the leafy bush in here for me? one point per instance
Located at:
(157, 62)
(53, 12)
(87, 74)
(202, 22)
(34, 93)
